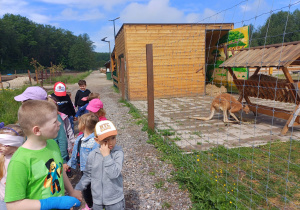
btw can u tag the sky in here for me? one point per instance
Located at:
(92, 16)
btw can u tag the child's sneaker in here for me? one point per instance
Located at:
(86, 207)
(69, 173)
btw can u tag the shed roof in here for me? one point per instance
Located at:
(162, 24)
(276, 55)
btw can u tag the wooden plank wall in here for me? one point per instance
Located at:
(178, 52)
(119, 50)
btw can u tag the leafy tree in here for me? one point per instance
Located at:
(80, 55)
(21, 40)
(100, 59)
(279, 27)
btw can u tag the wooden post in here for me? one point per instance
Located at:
(122, 79)
(42, 72)
(257, 70)
(150, 86)
(232, 73)
(16, 73)
(36, 76)
(270, 70)
(290, 121)
(287, 75)
(1, 81)
(29, 76)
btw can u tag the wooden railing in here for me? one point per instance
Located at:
(278, 91)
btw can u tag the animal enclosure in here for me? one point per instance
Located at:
(244, 165)
(279, 56)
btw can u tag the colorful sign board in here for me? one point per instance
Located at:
(225, 47)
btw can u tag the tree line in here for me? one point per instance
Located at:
(22, 40)
(280, 27)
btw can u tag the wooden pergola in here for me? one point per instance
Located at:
(280, 56)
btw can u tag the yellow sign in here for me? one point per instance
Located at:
(225, 47)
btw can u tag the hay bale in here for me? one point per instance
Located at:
(213, 90)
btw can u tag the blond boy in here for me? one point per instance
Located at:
(35, 177)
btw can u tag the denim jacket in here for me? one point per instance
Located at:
(87, 145)
(82, 110)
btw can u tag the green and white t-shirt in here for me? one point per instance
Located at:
(35, 174)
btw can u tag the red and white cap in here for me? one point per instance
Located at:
(60, 89)
(104, 129)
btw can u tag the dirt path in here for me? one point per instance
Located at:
(146, 178)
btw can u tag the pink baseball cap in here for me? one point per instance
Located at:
(60, 89)
(32, 93)
(94, 105)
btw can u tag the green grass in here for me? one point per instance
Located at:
(116, 90)
(8, 106)
(152, 173)
(68, 78)
(159, 184)
(239, 178)
(294, 76)
(166, 205)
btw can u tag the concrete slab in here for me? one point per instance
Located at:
(201, 135)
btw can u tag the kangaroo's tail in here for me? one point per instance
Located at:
(205, 118)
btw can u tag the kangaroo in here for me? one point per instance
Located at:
(225, 102)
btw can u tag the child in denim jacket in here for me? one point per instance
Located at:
(84, 144)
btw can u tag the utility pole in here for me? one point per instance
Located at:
(114, 26)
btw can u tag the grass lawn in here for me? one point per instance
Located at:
(68, 78)
(262, 177)
(9, 107)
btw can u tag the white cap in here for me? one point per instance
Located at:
(105, 129)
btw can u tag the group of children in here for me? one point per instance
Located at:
(34, 154)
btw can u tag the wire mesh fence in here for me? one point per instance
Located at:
(21, 78)
(249, 158)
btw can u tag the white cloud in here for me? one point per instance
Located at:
(107, 4)
(80, 15)
(208, 16)
(38, 18)
(256, 5)
(12, 6)
(104, 31)
(159, 11)
(23, 8)
(156, 11)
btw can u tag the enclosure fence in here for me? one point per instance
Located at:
(252, 162)
(21, 78)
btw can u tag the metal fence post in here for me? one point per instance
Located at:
(150, 86)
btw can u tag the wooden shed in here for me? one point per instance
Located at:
(280, 56)
(179, 52)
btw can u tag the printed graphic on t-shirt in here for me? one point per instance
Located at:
(54, 172)
(61, 102)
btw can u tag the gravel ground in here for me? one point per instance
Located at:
(146, 178)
